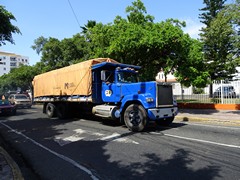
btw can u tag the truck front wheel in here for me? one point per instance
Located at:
(135, 117)
(50, 110)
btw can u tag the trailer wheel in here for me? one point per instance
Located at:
(165, 122)
(62, 111)
(50, 110)
(135, 117)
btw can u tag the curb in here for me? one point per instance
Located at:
(209, 106)
(15, 170)
(208, 120)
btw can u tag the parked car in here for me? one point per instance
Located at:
(228, 92)
(20, 100)
(6, 108)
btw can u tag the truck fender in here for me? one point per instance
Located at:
(136, 98)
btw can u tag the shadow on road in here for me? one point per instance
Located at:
(96, 156)
(147, 166)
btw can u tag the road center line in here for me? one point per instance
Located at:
(203, 141)
(65, 158)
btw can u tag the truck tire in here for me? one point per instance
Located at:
(165, 121)
(135, 117)
(51, 110)
(62, 111)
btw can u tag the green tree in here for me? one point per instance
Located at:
(135, 39)
(70, 52)
(98, 39)
(52, 54)
(193, 73)
(232, 12)
(210, 10)
(214, 57)
(138, 40)
(6, 27)
(18, 78)
(137, 13)
(57, 54)
(6, 84)
(23, 76)
(152, 46)
(86, 27)
(39, 43)
(82, 48)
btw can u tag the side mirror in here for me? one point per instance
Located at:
(103, 75)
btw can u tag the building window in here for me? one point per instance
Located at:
(4, 69)
(13, 64)
(12, 59)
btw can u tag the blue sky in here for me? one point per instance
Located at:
(54, 18)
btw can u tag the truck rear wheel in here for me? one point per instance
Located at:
(62, 111)
(135, 117)
(50, 110)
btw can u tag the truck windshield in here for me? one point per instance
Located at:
(127, 77)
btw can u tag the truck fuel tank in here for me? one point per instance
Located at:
(106, 111)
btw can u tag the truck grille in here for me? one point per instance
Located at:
(164, 95)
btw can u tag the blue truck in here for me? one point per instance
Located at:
(108, 89)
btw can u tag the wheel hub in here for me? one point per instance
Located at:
(134, 118)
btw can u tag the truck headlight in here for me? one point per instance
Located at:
(149, 100)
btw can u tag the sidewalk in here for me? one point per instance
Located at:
(9, 170)
(213, 116)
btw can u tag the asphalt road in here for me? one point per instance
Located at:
(95, 149)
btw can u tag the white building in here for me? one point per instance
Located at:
(10, 61)
(237, 75)
(161, 77)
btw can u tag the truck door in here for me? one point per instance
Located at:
(111, 91)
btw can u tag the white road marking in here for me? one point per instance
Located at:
(78, 135)
(117, 137)
(65, 158)
(67, 140)
(199, 140)
(111, 137)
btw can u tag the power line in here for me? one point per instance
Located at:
(74, 13)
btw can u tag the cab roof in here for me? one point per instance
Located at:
(108, 65)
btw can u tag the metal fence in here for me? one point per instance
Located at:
(224, 92)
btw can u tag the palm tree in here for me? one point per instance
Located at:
(90, 24)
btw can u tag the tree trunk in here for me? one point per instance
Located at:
(211, 90)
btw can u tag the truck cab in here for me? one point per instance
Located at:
(118, 94)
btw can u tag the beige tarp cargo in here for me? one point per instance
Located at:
(71, 80)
